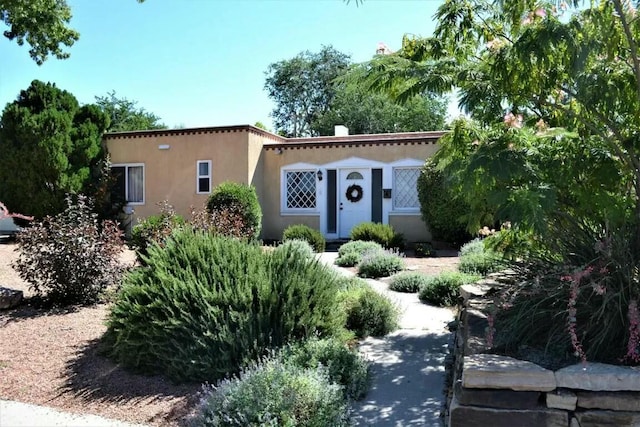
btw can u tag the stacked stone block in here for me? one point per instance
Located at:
(494, 390)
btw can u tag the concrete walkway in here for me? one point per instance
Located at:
(408, 364)
(16, 414)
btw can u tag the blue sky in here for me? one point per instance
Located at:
(202, 62)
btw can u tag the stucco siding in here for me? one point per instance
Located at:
(170, 174)
(273, 226)
(249, 155)
(412, 226)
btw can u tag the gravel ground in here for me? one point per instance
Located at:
(51, 358)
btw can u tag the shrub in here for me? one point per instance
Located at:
(368, 312)
(306, 233)
(344, 366)
(236, 210)
(474, 246)
(441, 206)
(274, 393)
(577, 299)
(380, 233)
(352, 252)
(358, 246)
(70, 258)
(424, 250)
(444, 289)
(476, 259)
(379, 264)
(409, 282)
(300, 247)
(204, 295)
(155, 229)
(348, 260)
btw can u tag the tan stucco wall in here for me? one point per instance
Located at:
(239, 156)
(255, 168)
(412, 226)
(171, 174)
(274, 224)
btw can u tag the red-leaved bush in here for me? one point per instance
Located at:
(70, 258)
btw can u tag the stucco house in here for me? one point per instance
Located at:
(329, 183)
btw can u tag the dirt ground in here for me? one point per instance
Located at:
(51, 357)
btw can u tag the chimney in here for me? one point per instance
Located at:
(340, 130)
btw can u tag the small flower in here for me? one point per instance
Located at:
(541, 126)
(634, 332)
(540, 13)
(599, 289)
(512, 120)
(527, 20)
(495, 44)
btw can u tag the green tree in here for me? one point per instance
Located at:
(50, 146)
(302, 89)
(550, 94)
(125, 115)
(364, 112)
(554, 147)
(316, 91)
(43, 24)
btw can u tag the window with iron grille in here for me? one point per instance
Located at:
(405, 191)
(301, 189)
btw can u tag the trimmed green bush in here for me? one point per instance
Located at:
(379, 264)
(475, 258)
(368, 312)
(236, 210)
(298, 246)
(444, 289)
(359, 246)
(380, 233)
(352, 252)
(274, 393)
(306, 233)
(344, 366)
(205, 305)
(407, 281)
(348, 260)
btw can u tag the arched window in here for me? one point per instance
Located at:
(355, 175)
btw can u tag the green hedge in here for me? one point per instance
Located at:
(236, 210)
(380, 233)
(441, 206)
(306, 233)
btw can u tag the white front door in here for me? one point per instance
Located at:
(354, 199)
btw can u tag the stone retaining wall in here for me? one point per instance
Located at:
(493, 390)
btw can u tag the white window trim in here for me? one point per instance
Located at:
(395, 209)
(198, 176)
(126, 181)
(298, 167)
